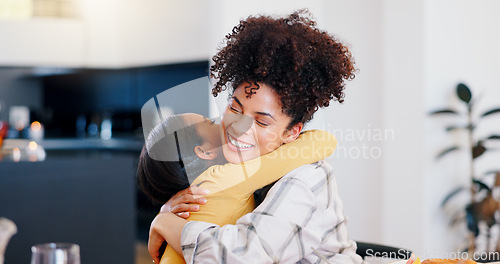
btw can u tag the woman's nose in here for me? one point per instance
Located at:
(242, 124)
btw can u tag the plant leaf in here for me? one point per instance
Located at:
(446, 151)
(451, 128)
(492, 111)
(443, 111)
(451, 194)
(481, 185)
(494, 137)
(490, 172)
(463, 92)
(478, 150)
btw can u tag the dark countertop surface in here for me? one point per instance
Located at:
(129, 144)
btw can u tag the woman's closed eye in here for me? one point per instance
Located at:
(262, 124)
(234, 110)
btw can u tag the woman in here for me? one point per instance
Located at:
(280, 70)
(231, 186)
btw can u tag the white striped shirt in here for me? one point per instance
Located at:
(300, 221)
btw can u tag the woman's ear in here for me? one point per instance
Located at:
(293, 133)
(202, 154)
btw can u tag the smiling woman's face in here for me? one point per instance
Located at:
(254, 126)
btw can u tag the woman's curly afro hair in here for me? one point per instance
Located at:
(307, 67)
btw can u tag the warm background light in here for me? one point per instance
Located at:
(32, 145)
(16, 154)
(36, 126)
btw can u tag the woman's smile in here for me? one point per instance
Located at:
(237, 145)
(253, 125)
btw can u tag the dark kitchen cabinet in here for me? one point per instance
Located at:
(85, 199)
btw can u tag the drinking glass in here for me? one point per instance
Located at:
(55, 253)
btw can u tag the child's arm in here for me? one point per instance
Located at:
(170, 256)
(311, 146)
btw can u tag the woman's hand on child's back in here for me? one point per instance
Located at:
(185, 201)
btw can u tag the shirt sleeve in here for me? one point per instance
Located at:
(290, 226)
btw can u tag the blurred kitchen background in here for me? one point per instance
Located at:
(74, 75)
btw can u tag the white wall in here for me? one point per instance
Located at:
(428, 48)
(357, 122)
(403, 111)
(461, 44)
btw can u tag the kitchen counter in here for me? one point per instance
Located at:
(125, 144)
(26, 150)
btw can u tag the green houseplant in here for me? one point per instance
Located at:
(482, 206)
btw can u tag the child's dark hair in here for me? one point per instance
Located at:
(165, 156)
(306, 66)
(160, 180)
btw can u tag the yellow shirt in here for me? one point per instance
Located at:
(232, 186)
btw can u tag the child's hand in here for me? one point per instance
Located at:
(185, 201)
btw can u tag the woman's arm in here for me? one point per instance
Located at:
(301, 220)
